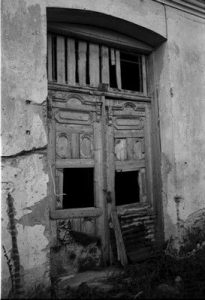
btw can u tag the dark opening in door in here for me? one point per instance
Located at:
(126, 187)
(78, 188)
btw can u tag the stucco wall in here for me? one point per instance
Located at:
(179, 80)
(24, 143)
(180, 71)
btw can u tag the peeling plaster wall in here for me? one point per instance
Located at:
(180, 71)
(24, 142)
(25, 179)
(180, 83)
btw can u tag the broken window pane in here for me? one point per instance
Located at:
(127, 187)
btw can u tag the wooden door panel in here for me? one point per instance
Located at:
(130, 136)
(76, 118)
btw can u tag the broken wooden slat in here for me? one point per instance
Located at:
(71, 61)
(119, 239)
(82, 49)
(60, 59)
(50, 65)
(118, 70)
(105, 75)
(94, 65)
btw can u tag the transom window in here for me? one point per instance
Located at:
(78, 62)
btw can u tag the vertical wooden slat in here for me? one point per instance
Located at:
(143, 185)
(110, 161)
(112, 52)
(144, 75)
(105, 75)
(121, 252)
(50, 65)
(75, 145)
(71, 61)
(140, 186)
(59, 188)
(60, 59)
(82, 48)
(100, 185)
(94, 71)
(51, 166)
(118, 70)
(148, 154)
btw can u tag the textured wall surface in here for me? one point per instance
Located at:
(180, 84)
(25, 227)
(180, 67)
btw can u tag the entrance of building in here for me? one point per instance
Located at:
(100, 148)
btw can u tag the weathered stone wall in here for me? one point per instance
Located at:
(180, 84)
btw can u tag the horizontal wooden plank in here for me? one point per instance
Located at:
(128, 133)
(75, 108)
(123, 94)
(76, 213)
(74, 163)
(131, 165)
(136, 209)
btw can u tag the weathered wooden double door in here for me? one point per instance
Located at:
(101, 158)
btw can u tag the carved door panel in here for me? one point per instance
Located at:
(129, 181)
(76, 140)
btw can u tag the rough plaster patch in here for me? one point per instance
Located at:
(26, 131)
(32, 245)
(39, 215)
(29, 182)
(24, 50)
